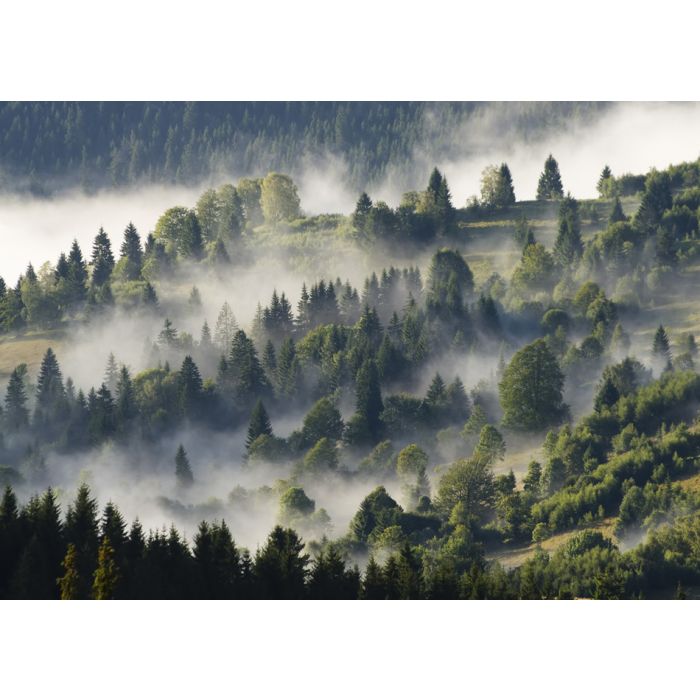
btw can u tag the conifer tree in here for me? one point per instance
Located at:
(259, 424)
(111, 374)
(360, 216)
(102, 259)
(183, 471)
(132, 253)
(69, 583)
(16, 414)
(549, 185)
(106, 576)
(189, 386)
(225, 329)
(568, 246)
(661, 348)
(617, 215)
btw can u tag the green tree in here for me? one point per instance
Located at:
(107, 575)
(69, 583)
(131, 253)
(279, 199)
(531, 389)
(183, 471)
(259, 424)
(280, 567)
(568, 246)
(549, 185)
(102, 259)
(16, 415)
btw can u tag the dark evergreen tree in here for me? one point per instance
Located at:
(259, 424)
(102, 259)
(183, 471)
(549, 185)
(131, 253)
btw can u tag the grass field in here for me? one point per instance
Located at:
(28, 348)
(509, 558)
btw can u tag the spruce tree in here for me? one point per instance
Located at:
(360, 216)
(189, 387)
(617, 215)
(132, 253)
(183, 471)
(106, 576)
(568, 246)
(69, 584)
(661, 348)
(16, 415)
(102, 259)
(549, 185)
(259, 424)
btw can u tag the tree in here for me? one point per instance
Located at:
(82, 530)
(491, 446)
(497, 186)
(107, 575)
(661, 349)
(131, 253)
(50, 392)
(279, 199)
(102, 259)
(363, 209)
(280, 567)
(16, 415)
(568, 246)
(259, 424)
(531, 389)
(322, 420)
(368, 399)
(616, 214)
(225, 329)
(468, 483)
(189, 388)
(111, 374)
(605, 183)
(549, 185)
(69, 583)
(183, 471)
(411, 466)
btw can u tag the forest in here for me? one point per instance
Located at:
(493, 399)
(47, 147)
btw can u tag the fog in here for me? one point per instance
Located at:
(631, 138)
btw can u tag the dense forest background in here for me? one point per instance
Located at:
(49, 146)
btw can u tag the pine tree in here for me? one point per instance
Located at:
(183, 471)
(549, 185)
(225, 329)
(360, 216)
(82, 531)
(106, 576)
(102, 259)
(661, 348)
(77, 274)
(604, 182)
(568, 246)
(149, 298)
(126, 407)
(168, 336)
(368, 398)
(205, 341)
(617, 215)
(259, 424)
(505, 194)
(69, 583)
(50, 393)
(16, 415)
(132, 253)
(189, 388)
(111, 374)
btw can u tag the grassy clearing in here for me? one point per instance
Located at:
(29, 348)
(512, 557)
